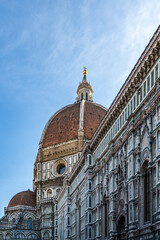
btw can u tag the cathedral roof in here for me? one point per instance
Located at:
(77, 121)
(63, 126)
(26, 198)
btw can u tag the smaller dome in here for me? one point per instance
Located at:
(26, 198)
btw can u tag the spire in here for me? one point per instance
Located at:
(84, 90)
(85, 75)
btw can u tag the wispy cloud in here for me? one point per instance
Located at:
(44, 46)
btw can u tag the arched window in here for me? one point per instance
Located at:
(90, 233)
(57, 191)
(68, 222)
(68, 209)
(90, 217)
(87, 96)
(46, 235)
(8, 236)
(90, 186)
(49, 193)
(90, 201)
(81, 96)
(30, 224)
(20, 236)
(32, 236)
(121, 225)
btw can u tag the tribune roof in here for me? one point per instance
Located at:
(25, 198)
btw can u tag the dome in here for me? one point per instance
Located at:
(26, 198)
(63, 126)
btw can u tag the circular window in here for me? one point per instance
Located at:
(61, 169)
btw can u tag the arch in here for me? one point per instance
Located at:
(20, 236)
(29, 215)
(49, 193)
(145, 129)
(144, 166)
(32, 236)
(81, 96)
(121, 228)
(87, 96)
(8, 236)
(57, 191)
(46, 210)
(13, 216)
(46, 235)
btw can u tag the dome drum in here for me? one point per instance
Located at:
(60, 168)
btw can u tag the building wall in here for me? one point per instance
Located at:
(106, 199)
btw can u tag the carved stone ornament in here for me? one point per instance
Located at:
(145, 155)
(121, 205)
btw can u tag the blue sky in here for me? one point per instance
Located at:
(44, 46)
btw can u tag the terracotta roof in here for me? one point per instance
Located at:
(63, 126)
(26, 198)
(93, 115)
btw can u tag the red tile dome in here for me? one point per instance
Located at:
(63, 125)
(26, 198)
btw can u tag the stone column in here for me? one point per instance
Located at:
(78, 223)
(150, 193)
(139, 200)
(103, 220)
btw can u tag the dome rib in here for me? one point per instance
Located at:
(63, 126)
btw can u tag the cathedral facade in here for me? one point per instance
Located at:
(97, 171)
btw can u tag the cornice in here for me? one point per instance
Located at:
(131, 128)
(141, 68)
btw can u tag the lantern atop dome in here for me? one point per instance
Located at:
(84, 90)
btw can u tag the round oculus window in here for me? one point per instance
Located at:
(61, 169)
